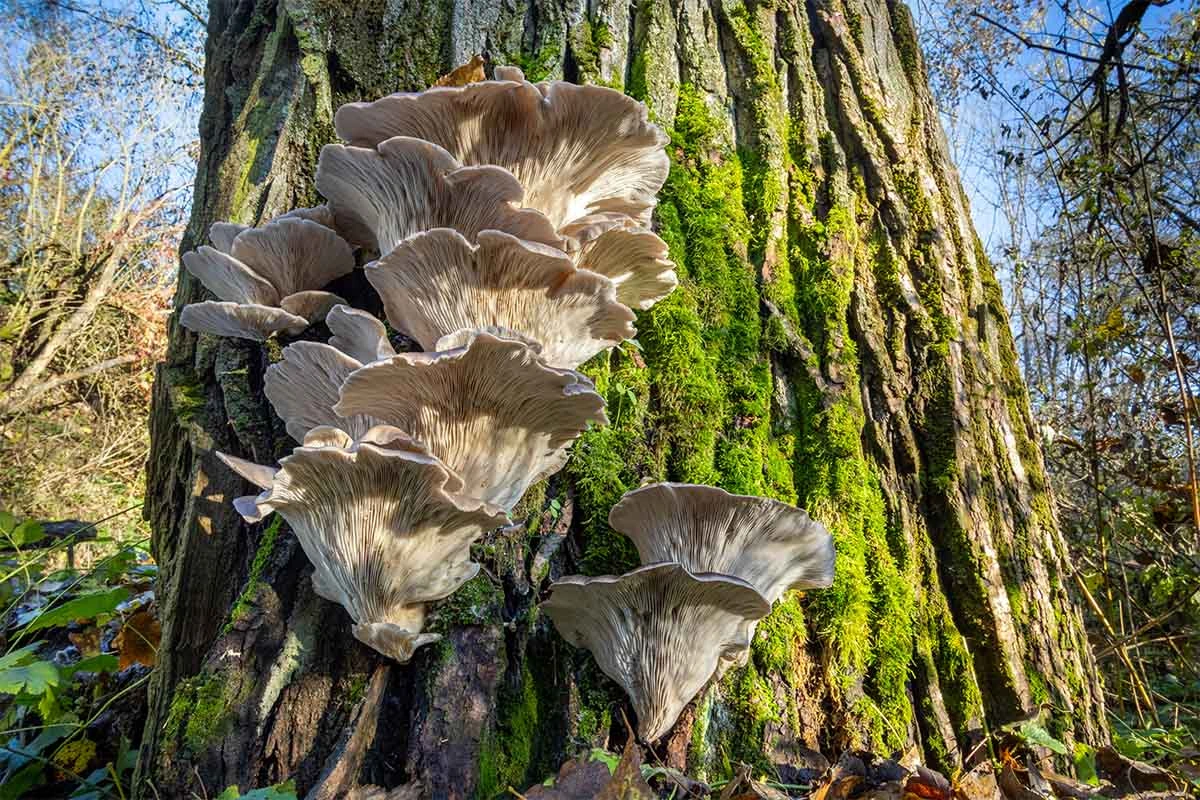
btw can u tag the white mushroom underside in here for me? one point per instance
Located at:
(384, 193)
(659, 631)
(437, 282)
(383, 535)
(771, 545)
(577, 150)
(490, 410)
(303, 389)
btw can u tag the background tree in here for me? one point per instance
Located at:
(94, 152)
(839, 341)
(1095, 160)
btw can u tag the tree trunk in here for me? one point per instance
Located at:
(838, 341)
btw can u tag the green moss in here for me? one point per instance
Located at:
(587, 40)
(505, 754)
(905, 36)
(476, 602)
(202, 710)
(540, 65)
(266, 546)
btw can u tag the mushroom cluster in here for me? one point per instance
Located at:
(713, 565)
(505, 226)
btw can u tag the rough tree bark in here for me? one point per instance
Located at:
(838, 341)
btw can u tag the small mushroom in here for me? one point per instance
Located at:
(384, 193)
(266, 279)
(771, 545)
(636, 260)
(358, 334)
(303, 388)
(577, 150)
(659, 631)
(490, 409)
(437, 282)
(383, 526)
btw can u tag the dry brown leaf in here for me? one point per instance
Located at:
(137, 642)
(470, 72)
(87, 640)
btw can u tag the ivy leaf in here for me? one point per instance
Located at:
(86, 606)
(1033, 733)
(280, 791)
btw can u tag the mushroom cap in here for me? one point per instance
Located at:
(491, 410)
(636, 260)
(267, 279)
(240, 320)
(577, 150)
(358, 334)
(659, 631)
(382, 530)
(293, 254)
(771, 545)
(436, 283)
(385, 192)
(303, 388)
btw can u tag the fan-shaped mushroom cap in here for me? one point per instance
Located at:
(636, 260)
(491, 410)
(771, 545)
(577, 150)
(239, 320)
(436, 283)
(303, 388)
(384, 532)
(358, 334)
(267, 279)
(659, 631)
(384, 193)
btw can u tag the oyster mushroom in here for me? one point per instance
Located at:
(437, 282)
(771, 545)
(266, 279)
(384, 193)
(382, 524)
(303, 385)
(579, 151)
(490, 409)
(358, 334)
(659, 631)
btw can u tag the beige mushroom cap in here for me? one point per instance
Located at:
(659, 631)
(636, 260)
(382, 530)
(358, 334)
(491, 410)
(577, 150)
(384, 193)
(303, 388)
(436, 283)
(266, 279)
(771, 545)
(240, 320)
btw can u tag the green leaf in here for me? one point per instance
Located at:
(1033, 733)
(86, 606)
(31, 775)
(611, 760)
(28, 531)
(104, 662)
(7, 523)
(280, 791)
(35, 677)
(1085, 765)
